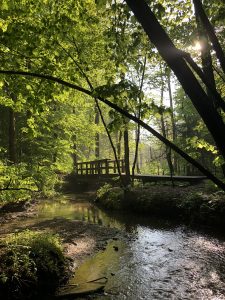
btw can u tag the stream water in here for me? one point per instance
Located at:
(159, 260)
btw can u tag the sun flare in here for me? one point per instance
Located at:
(197, 46)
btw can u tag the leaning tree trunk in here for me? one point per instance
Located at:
(177, 63)
(206, 58)
(137, 132)
(210, 32)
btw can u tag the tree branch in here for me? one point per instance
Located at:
(125, 113)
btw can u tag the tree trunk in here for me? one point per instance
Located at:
(111, 142)
(206, 58)
(137, 132)
(173, 123)
(176, 62)
(74, 154)
(126, 156)
(163, 127)
(12, 136)
(210, 32)
(97, 137)
(118, 144)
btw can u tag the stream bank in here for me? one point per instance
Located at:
(193, 205)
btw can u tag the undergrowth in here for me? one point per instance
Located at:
(31, 263)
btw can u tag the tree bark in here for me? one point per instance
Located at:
(137, 140)
(123, 183)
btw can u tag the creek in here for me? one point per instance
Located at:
(157, 260)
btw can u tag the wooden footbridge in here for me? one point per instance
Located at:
(106, 169)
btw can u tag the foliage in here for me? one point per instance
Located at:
(111, 198)
(101, 46)
(24, 181)
(190, 204)
(29, 262)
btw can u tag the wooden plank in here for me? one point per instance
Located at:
(107, 167)
(149, 178)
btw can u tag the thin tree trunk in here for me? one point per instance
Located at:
(12, 136)
(163, 127)
(74, 154)
(173, 123)
(126, 156)
(138, 126)
(174, 130)
(97, 136)
(111, 142)
(206, 58)
(118, 144)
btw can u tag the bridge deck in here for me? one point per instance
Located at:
(107, 169)
(146, 177)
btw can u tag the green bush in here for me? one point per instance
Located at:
(102, 191)
(110, 197)
(30, 263)
(25, 180)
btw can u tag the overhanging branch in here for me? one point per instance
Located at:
(188, 158)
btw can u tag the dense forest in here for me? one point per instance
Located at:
(86, 80)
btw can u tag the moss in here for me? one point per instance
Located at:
(31, 263)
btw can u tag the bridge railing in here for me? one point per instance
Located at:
(99, 167)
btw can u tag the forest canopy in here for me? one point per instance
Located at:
(99, 72)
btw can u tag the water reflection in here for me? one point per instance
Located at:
(80, 209)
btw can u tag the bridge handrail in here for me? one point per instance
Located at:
(98, 167)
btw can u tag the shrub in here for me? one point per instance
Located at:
(30, 263)
(110, 197)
